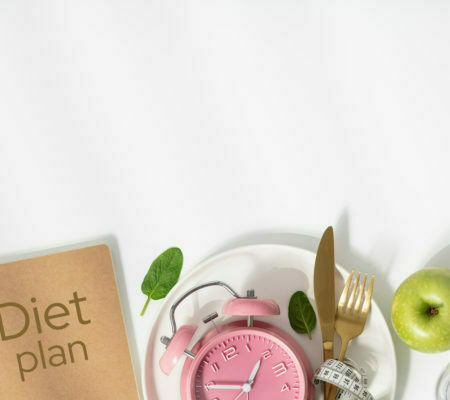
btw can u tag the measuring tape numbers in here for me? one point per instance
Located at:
(348, 376)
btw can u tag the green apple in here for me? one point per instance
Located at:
(421, 310)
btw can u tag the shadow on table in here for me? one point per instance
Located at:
(351, 259)
(441, 259)
(113, 244)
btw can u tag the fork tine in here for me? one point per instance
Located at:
(366, 305)
(360, 295)
(343, 298)
(353, 294)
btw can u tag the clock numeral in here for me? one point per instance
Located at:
(230, 353)
(207, 386)
(279, 369)
(266, 354)
(215, 367)
(248, 348)
(285, 388)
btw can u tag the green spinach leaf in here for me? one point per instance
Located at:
(301, 314)
(162, 275)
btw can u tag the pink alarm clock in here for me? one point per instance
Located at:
(240, 360)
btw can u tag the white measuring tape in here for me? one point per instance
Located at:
(348, 376)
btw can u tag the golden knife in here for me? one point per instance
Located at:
(324, 293)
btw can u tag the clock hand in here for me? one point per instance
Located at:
(254, 372)
(235, 387)
(246, 387)
(239, 395)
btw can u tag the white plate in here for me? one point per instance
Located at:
(274, 271)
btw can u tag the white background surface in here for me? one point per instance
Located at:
(205, 124)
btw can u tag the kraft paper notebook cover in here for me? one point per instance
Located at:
(61, 329)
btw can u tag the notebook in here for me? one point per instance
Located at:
(62, 334)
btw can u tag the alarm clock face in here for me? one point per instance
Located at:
(224, 368)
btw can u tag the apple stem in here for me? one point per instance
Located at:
(432, 311)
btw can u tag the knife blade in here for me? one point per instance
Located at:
(324, 293)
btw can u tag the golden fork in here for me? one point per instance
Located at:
(350, 316)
